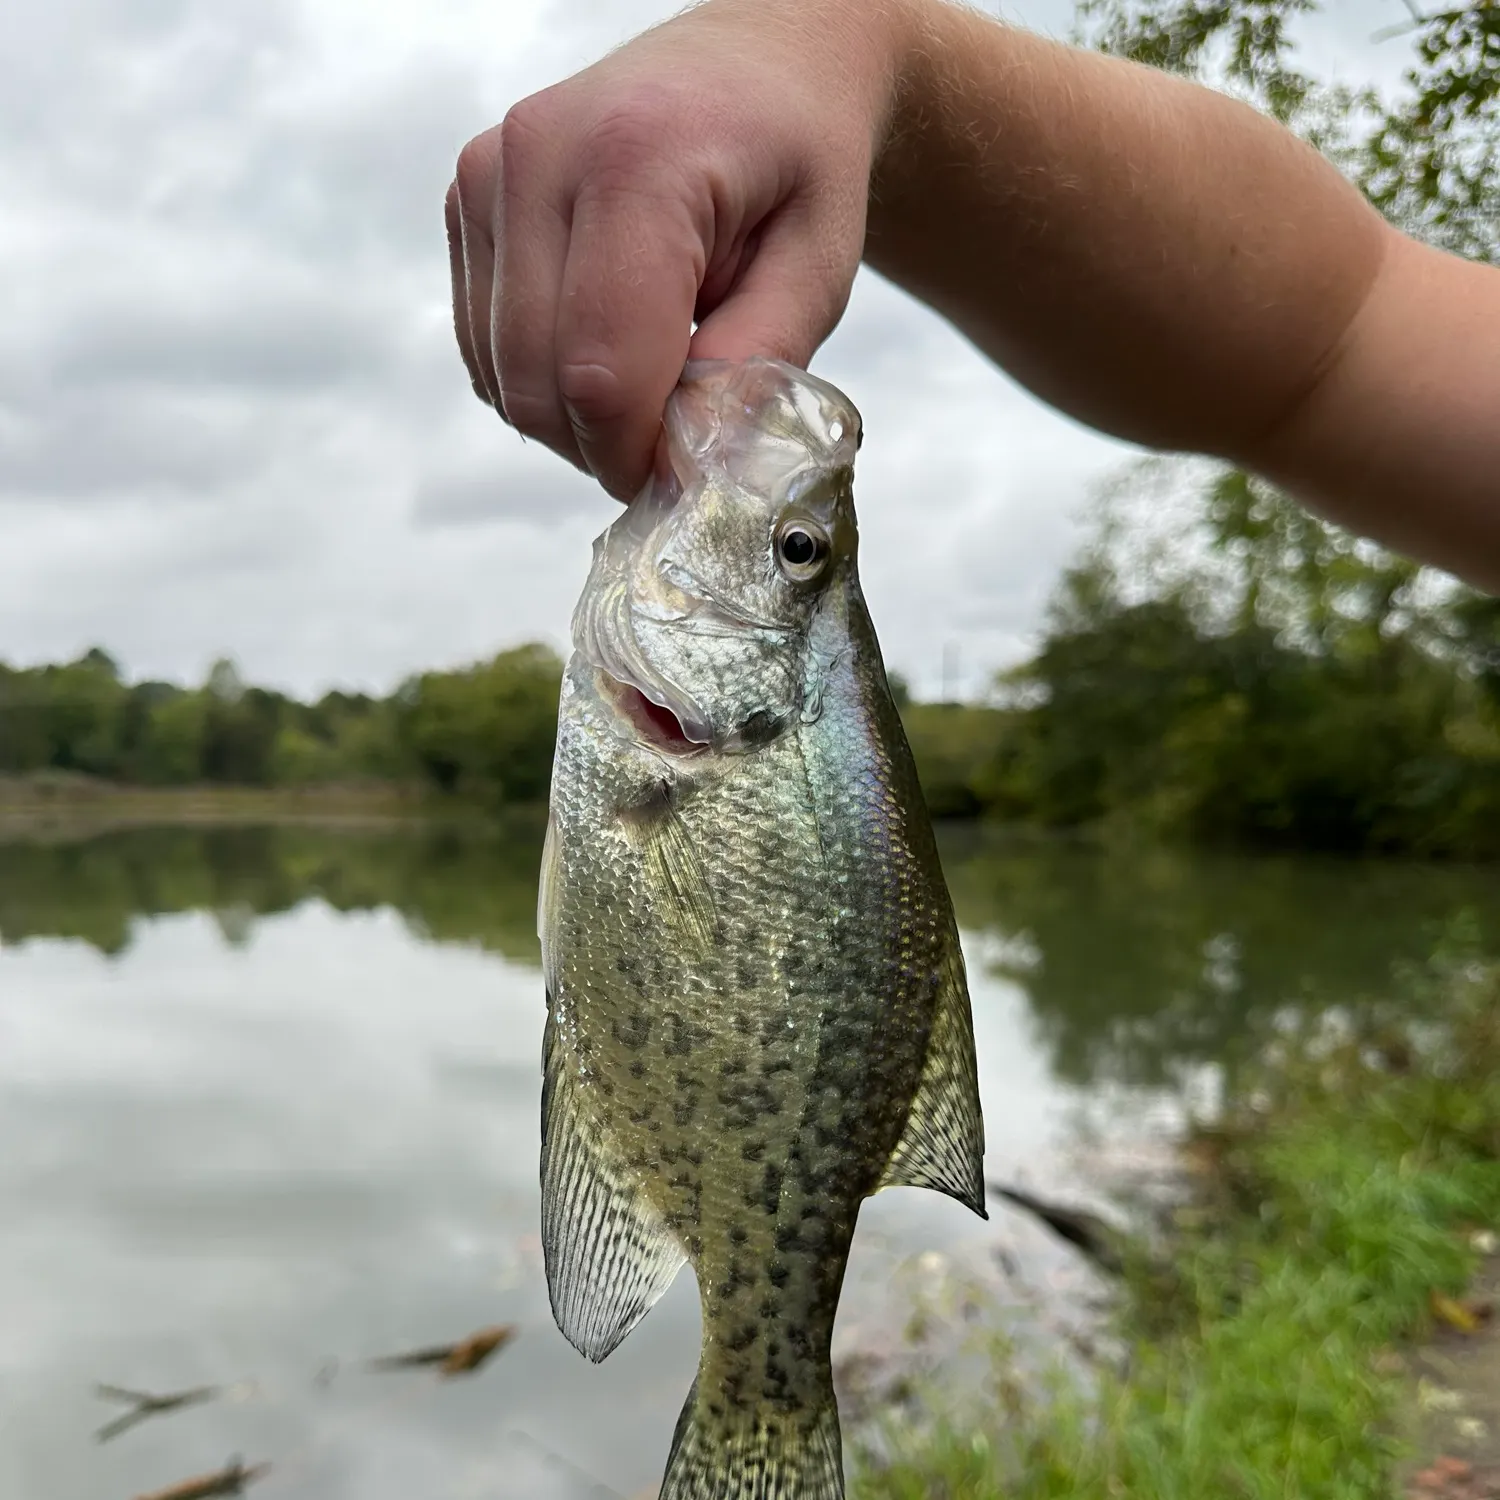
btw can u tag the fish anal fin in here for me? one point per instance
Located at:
(942, 1146)
(608, 1255)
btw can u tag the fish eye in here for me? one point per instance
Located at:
(802, 548)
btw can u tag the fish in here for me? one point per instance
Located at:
(462, 1358)
(230, 1480)
(757, 1008)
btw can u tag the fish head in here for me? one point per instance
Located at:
(700, 610)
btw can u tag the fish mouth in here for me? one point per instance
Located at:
(659, 725)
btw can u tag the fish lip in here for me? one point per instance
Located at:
(692, 736)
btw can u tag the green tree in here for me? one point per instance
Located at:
(487, 731)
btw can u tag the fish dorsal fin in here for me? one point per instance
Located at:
(942, 1146)
(608, 1254)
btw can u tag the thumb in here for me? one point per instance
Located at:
(791, 293)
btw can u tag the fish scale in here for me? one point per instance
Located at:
(757, 1009)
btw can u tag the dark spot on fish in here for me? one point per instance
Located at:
(742, 1024)
(685, 1035)
(641, 1116)
(683, 1110)
(634, 1032)
(732, 1067)
(753, 1150)
(776, 1378)
(736, 1279)
(780, 1272)
(761, 727)
(738, 1234)
(780, 1065)
(742, 1338)
(770, 1192)
(656, 797)
(770, 1307)
(637, 1069)
(787, 1238)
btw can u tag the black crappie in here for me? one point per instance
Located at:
(757, 1009)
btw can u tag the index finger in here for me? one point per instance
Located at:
(625, 319)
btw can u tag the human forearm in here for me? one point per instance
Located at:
(1150, 256)
(1167, 265)
(1401, 437)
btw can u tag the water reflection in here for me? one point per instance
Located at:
(269, 1106)
(1132, 962)
(449, 883)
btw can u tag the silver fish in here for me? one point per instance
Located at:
(757, 1008)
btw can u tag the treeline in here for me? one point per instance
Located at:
(485, 733)
(1257, 678)
(1261, 680)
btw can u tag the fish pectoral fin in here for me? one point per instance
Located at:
(608, 1254)
(675, 874)
(942, 1146)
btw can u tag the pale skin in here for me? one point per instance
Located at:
(1148, 256)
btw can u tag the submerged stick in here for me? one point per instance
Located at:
(230, 1480)
(144, 1404)
(462, 1358)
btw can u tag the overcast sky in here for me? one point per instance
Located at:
(232, 419)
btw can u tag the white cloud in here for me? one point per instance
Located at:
(232, 418)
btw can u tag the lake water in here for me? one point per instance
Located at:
(269, 1108)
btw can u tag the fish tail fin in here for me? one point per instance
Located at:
(764, 1454)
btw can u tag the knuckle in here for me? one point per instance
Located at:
(633, 133)
(522, 132)
(474, 173)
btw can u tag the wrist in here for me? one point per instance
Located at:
(861, 48)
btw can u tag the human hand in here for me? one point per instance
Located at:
(714, 169)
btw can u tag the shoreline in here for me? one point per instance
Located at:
(1344, 1224)
(80, 807)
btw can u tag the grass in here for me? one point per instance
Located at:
(1352, 1160)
